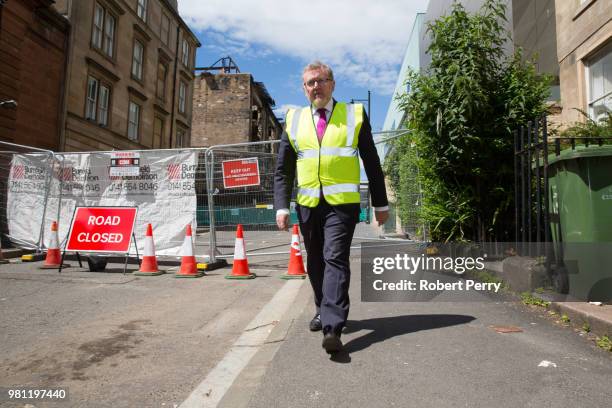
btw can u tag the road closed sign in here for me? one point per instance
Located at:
(240, 172)
(101, 229)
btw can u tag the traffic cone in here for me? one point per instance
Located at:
(53, 258)
(240, 269)
(148, 266)
(296, 264)
(188, 262)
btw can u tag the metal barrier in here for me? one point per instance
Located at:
(196, 189)
(17, 181)
(238, 199)
(223, 208)
(162, 187)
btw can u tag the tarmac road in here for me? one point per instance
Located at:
(119, 340)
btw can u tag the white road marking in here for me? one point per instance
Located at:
(211, 390)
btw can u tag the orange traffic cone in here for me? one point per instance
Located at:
(188, 262)
(53, 259)
(148, 266)
(296, 264)
(240, 269)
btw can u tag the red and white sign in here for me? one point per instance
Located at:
(101, 229)
(241, 172)
(124, 164)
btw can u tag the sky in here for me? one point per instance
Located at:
(362, 40)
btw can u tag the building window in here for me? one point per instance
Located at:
(158, 133)
(142, 9)
(162, 72)
(164, 32)
(98, 24)
(92, 98)
(182, 102)
(109, 35)
(137, 60)
(185, 53)
(98, 101)
(133, 121)
(600, 84)
(103, 102)
(181, 138)
(103, 30)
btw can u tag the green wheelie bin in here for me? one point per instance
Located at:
(580, 197)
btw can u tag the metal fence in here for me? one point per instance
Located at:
(67, 180)
(223, 204)
(24, 177)
(413, 225)
(534, 219)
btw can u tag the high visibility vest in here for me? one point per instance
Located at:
(332, 166)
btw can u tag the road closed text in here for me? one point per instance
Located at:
(104, 237)
(102, 229)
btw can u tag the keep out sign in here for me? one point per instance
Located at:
(101, 229)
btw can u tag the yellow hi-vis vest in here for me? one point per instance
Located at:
(332, 166)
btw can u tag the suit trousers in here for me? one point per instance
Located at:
(328, 233)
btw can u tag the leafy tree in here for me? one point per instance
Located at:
(462, 112)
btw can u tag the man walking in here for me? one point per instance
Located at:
(322, 144)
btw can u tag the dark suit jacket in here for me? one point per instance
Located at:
(284, 175)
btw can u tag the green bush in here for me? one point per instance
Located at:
(590, 128)
(462, 112)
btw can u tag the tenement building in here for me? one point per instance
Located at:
(33, 50)
(130, 75)
(584, 50)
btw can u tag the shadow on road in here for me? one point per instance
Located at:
(384, 328)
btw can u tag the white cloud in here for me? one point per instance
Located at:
(363, 40)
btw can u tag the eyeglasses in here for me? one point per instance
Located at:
(320, 81)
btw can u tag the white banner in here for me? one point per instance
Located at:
(163, 191)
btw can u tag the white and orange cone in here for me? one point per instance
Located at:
(296, 264)
(188, 261)
(240, 268)
(53, 259)
(148, 266)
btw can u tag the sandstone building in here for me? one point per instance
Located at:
(231, 107)
(584, 50)
(33, 50)
(130, 75)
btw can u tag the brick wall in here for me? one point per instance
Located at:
(221, 109)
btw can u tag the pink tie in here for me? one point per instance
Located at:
(321, 124)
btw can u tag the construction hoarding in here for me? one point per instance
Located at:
(162, 188)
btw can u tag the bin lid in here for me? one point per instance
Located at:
(581, 151)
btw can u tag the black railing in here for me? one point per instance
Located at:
(532, 144)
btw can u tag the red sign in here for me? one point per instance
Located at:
(101, 229)
(241, 172)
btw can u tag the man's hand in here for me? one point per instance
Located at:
(282, 220)
(381, 216)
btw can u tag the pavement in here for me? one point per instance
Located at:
(430, 354)
(597, 317)
(118, 340)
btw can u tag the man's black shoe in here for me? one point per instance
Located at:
(332, 343)
(315, 323)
